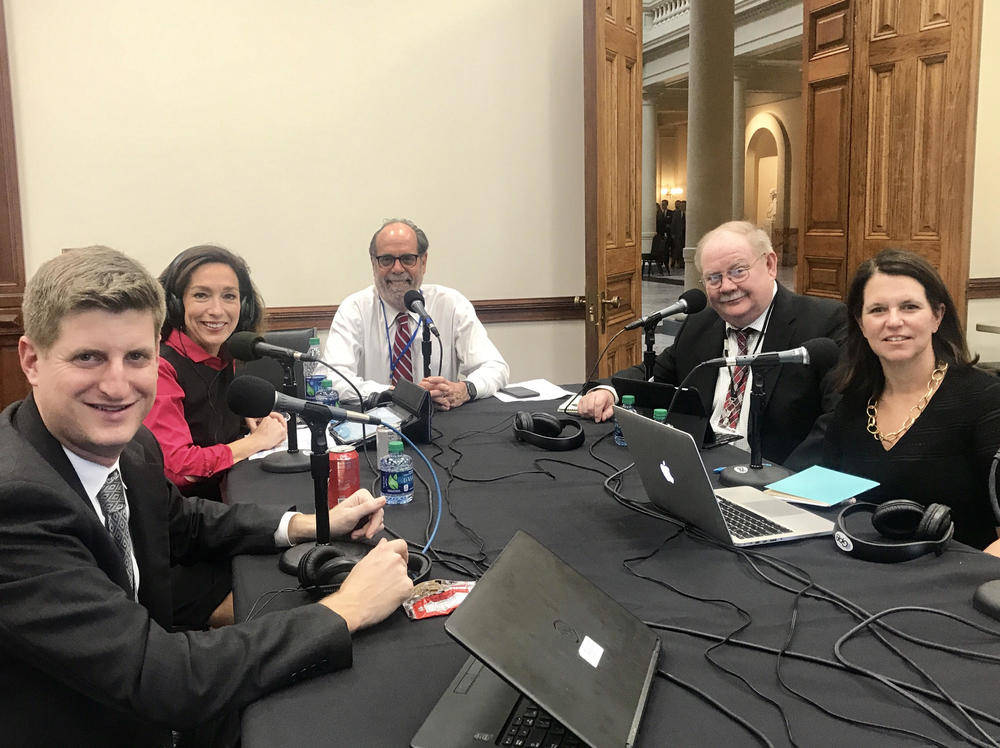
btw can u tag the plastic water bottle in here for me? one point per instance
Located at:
(628, 403)
(660, 415)
(312, 371)
(396, 469)
(327, 395)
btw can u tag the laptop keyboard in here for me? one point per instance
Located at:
(744, 524)
(530, 726)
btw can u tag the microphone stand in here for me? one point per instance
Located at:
(756, 474)
(649, 357)
(319, 464)
(425, 348)
(292, 460)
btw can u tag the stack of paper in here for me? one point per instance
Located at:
(820, 486)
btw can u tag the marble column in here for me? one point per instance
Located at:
(649, 196)
(739, 142)
(710, 126)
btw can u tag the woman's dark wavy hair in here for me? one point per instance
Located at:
(859, 369)
(177, 275)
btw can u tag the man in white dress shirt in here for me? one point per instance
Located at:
(375, 341)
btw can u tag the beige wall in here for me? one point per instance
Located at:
(288, 129)
(984, 260)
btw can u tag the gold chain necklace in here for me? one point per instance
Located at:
(936, 376)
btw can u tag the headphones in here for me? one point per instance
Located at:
(323, 568)
(917, 529)
(187, 262)
(545, 430)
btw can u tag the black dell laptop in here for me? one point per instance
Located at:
(551, 653)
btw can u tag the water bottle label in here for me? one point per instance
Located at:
(397, 481)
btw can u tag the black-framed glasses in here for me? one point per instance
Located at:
(407, 261)
(736, 274)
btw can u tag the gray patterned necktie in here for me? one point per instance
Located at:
(111, 497)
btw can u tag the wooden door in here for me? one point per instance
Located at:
(890, 94)
(612, 76)
(13, 385)
(915, 123)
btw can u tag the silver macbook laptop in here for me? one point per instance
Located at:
(675, 479)
(551, 653)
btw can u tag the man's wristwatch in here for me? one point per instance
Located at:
(471, 389)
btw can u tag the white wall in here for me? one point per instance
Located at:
(287, 130)
(984, 259)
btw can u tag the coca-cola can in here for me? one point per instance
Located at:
(345, 474)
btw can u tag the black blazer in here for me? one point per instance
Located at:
(80, 662)
(799, 400)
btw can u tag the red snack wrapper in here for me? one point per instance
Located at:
(436, 597)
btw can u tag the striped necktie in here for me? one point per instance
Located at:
(111, 497)
(730, 417)
(404, 365)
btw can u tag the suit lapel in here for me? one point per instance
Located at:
(28, 422)
(778, 337)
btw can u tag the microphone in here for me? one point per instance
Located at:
(248, 346)
(820, 352)
(691, 301)
(253, 397)
(414, 301)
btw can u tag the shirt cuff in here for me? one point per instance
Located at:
(281, 534)
(609, 388)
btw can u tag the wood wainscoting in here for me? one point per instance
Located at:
(539, 309)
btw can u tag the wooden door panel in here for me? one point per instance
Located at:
(613, 139)
(908, 84)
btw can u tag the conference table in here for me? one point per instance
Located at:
(706, 593)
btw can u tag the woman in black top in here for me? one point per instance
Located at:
(916, 415)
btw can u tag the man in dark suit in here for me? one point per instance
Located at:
(750, 312)
(89, 526)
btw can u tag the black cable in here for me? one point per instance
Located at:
(827, 595)
(271, 595)
(812, 659)
(707, 654)
(866, 624)
(725, 710)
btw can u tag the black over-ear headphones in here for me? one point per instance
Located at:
(545, 430)
(917, 530)
(324, 568)
(186, 263)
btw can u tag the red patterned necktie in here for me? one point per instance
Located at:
(404, 366)
(734, 398)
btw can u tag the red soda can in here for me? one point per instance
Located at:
(345, 474)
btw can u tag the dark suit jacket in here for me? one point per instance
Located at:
(799, 400)
(80, 662)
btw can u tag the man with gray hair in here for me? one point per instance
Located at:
(374, 339)
(749, 312)
(89, 527)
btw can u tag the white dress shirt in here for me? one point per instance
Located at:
(360, 338)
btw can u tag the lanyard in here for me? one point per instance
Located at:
(393, 362)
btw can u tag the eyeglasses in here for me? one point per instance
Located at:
(737, 274)
(407, 261)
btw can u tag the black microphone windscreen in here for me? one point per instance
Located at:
(241, 345)
(250, 397)
(823, 352)
(695, 298)
(411, 296)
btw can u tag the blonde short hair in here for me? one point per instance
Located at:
(82, 279)
(756, 237)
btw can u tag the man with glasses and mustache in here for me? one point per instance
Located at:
(375, 340)
(749, 312)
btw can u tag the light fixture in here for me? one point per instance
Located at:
(676, 191)
(664, 191)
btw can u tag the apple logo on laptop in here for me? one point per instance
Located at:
(665, 469)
